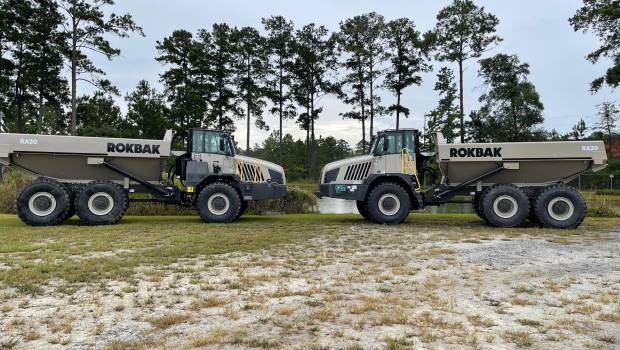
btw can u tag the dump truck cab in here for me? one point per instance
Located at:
(506, 182)
(212, 156)
(388, 172)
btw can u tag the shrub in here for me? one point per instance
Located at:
(12, 182)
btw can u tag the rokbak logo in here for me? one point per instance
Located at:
(465, 152)
(133, 148)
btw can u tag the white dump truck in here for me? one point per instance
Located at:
(508, 182)
(93, 176)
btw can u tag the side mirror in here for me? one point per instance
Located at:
(386, 145)
(222, 144)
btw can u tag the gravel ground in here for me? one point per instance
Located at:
(370, 287)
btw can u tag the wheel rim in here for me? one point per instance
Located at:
(218, 204)
(100, 203)
(561, 208)
(505, 206)
(389, 204)
(42, 204)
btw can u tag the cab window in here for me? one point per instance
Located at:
(209, 142)
(394, 141)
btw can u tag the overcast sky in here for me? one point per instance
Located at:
(538, 31)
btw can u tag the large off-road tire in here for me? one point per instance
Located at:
(219, 202)
(560, 206)
(72, 190)
(101, 203)
(504, 205)
(42, 202)
(244, 207)
(388, 203)
(361, 207)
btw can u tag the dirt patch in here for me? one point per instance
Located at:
(368, 287)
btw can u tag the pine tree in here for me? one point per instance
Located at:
(87, 29)
(408, 53)
(250, 75)
(281, 55)
(47, 46)
(602, 17)
(183, 86)
(464, 31)
(315, 62)
(352, 42)
(444, 117)
(223, 105)
(579, 130)
(511, 107)
(146, 111)
(609, 116)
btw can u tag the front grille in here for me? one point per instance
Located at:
(357, 172)
(250, 172)
(276, 177)
(331, 176)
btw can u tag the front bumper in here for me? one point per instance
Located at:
(349, 192)
(254, 191)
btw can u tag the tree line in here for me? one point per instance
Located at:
(224, 75)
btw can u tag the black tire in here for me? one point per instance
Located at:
(388, 203)
(361, 207)
(71, 190)
(504, 205)
(42, 202)
(560, 206)
(244, 207)
(101, 203)
(219, 202)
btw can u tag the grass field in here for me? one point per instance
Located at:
(309, 281)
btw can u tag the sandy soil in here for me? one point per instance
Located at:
(370, 287)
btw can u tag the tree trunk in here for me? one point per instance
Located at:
(40, 117)
(281, 107)
(74, 78)
(461, 101)
(312, 138)
(363, 136)
(398, 109)
(372, 97)
(308, 136)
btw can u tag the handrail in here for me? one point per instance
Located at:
(411, 164)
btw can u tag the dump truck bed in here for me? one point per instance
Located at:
(77, 158)
(523, 163)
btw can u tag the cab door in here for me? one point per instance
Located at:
(388, 153)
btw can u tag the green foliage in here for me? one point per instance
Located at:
(279, 74)
(188, 98)
(511, 107)
(444, 117)
(609, 116)
(147, 112)
(31, 85)
(315, 62)
(408, 53)
(328, 149)
(464, 31)
(98, 115)
(87, 28)
(12, 182)
(251, 60)
(602, 17)
(362, 39)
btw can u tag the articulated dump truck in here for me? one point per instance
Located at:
(94, 177)
(507, 182)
